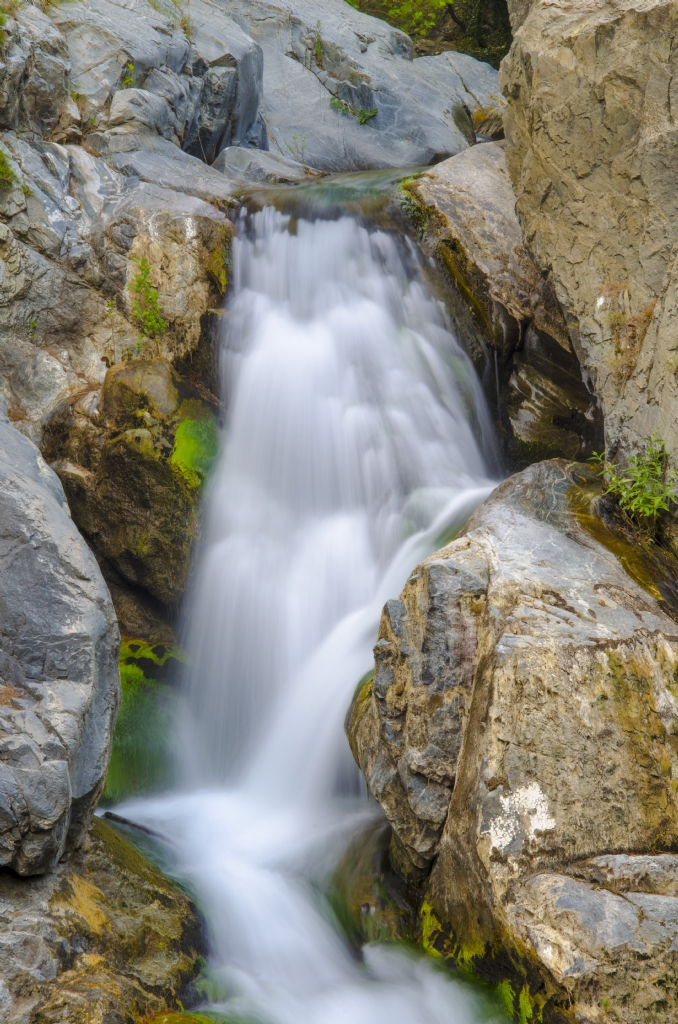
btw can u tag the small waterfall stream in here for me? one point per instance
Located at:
(354, 443)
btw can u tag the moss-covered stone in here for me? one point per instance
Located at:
(141, 759)
(133, 466)
(116, 940)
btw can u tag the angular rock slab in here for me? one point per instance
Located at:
(523, 717)
(59, 679)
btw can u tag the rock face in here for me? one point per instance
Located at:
(59, 682)
(592, 153)
(521, 721)
(463, 209)
(104, 937)
(132, 459)
(316, 51)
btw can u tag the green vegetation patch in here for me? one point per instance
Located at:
(195, 448)
(140, 758)
(8, 176)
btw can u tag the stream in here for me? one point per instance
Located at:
(356, 442)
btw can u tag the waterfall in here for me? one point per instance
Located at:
(354, 442)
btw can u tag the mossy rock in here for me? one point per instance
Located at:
(133, 473)
(141, 758)
(116, 939)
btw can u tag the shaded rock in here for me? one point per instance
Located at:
(132, 460)
(522, 718)
(319, 50)
(505, 305)
(591, 152)
(102, 937)
(59, 686)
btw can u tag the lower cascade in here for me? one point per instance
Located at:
(356, 443)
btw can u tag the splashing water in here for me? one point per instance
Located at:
(353, 444)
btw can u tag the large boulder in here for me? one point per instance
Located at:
(104, 937)
(59, 680)
(133, 457)
(73, 235)
(591, 151)
(505, 307)
(320, 54)
(519, 734)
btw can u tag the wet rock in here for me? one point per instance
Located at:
(521, 721)
(505, 306)
(133, 459)
(591, 151)
(102, 937)
(59, 684)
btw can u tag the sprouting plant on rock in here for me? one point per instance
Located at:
(8, 177)
(345, 108)
(128, 79)
(297, 147)
(318, 47)
(145, 308)
(644, 488)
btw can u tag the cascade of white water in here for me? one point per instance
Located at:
(350, 448)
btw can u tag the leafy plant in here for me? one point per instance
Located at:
(145, 309)
(643, 489)
(32, 326)
(8, 177)
(345, 108)
(128, 79)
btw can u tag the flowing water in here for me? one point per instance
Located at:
(353, 445)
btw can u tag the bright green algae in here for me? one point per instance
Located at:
(141, 761)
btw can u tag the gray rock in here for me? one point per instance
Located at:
(464, 211)
(317, 50)
(140, 153)
(520, 720)
(244, 164)
(59, 681)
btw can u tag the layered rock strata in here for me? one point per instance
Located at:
(59, 681)
(463, 210)
(522, 720)
(591, 152)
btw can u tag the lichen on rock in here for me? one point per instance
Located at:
(522, 721)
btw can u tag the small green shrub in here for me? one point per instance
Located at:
(8, 177)
(128, 79)
(297, 147)
(318, 44)
(345, 108)
(643, 489)
(145, 309)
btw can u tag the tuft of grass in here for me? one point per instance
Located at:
(644, 488)
(216, 268)
(318, 47)
(8, 177)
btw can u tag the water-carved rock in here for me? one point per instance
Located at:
(59, 683)
(520, 734)
(505, 307)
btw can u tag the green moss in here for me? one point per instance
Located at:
(507, 996)
(8, 177)
(195, 449)
(140, 756)
(525, 1012)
